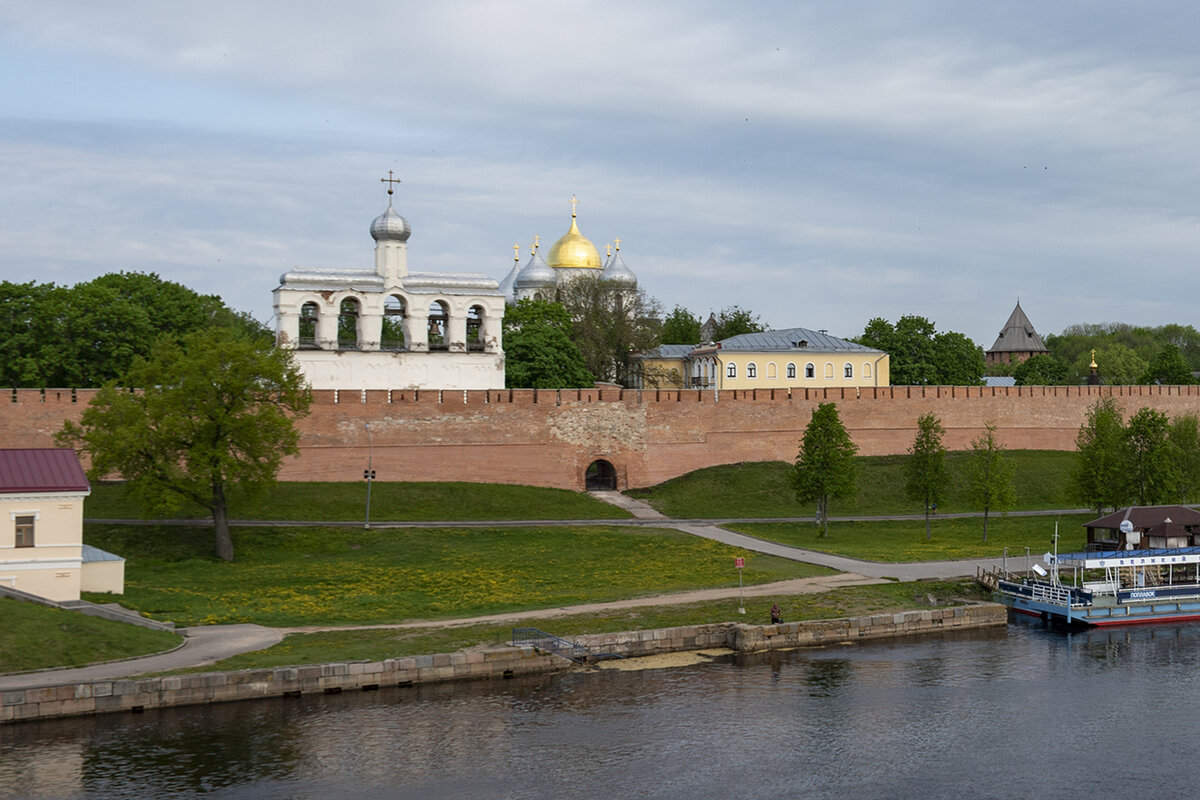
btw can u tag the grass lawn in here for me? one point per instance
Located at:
(376, 645)
(37, 637)
(763, 489)
(952, 538)
(398, 502)
(343, 576)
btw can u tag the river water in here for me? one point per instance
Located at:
(1023, 711)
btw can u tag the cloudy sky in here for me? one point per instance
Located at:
(818, 163)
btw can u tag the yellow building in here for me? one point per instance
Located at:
(793, 358)
(41, 528)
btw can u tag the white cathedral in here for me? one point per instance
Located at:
(388, 328)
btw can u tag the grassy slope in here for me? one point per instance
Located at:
(400, 502)
(342, 576)
(37, 637)
(951, 539)
(374, 645)
(1042, 481)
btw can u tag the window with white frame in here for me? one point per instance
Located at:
(810, 371)
(848, 370)
(751, 370)
(24, 525)
(731, 370)
(791, 370)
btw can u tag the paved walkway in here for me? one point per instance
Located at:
(201, 645)
(208, 644)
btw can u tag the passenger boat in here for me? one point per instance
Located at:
(1119, 587)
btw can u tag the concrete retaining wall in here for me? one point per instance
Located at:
(218, 687)
(136, 695)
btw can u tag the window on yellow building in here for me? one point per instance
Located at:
(810, 371)
(751, 370)
(791, 370)
(731, 371)
(849, 370)
(24, 531)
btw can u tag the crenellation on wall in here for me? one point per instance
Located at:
(549, 437)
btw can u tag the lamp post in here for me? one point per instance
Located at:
(369, 473)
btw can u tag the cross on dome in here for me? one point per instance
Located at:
(389, 180)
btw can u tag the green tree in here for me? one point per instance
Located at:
(925, 469)
(1099, 477)
(734, 321)
(609, 323)
(957, 361)
(990, 475)
(680, 327)
(538, 351)
(214, 414)
(1168, 368)
(90, 333)
(1184, 437)
(1152, 471)
(1042, 369)
(825, 467)
(1119, 365)
(919, 355)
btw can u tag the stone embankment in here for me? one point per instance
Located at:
(506, 662)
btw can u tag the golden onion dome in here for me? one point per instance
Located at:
(573, 250)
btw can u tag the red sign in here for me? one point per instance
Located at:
(739, 562)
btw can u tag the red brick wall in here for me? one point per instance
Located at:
(548, 438)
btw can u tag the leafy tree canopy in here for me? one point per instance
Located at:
(1168, 368)
(608, 325)
(919, 355)
(90, 333)
(213, 414)
(825, 467)
(1041, 370)
(539, 353)
(1146, 344)
(1099, 477)
(990, 475)
(1152, 472)
(680, 327)
(734, 321)
(925, 469)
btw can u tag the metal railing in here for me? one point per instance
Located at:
(548, 642)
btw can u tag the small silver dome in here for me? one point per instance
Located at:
(391, 226)
(536, 274)
(616, 271)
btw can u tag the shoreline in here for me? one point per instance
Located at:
(202, 688)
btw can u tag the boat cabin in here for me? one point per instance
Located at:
(1145, 528)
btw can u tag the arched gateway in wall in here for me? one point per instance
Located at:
(601, 476)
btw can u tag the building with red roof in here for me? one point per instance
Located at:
(41, 527)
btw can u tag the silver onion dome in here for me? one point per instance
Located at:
(616, 271)
(536, 274)
(390, 226)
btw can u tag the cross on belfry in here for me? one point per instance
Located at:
(618, 241)
(516, 251)
(389, 180)
(574, 203)
(537, 240)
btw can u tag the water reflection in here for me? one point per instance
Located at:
(958, 716)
